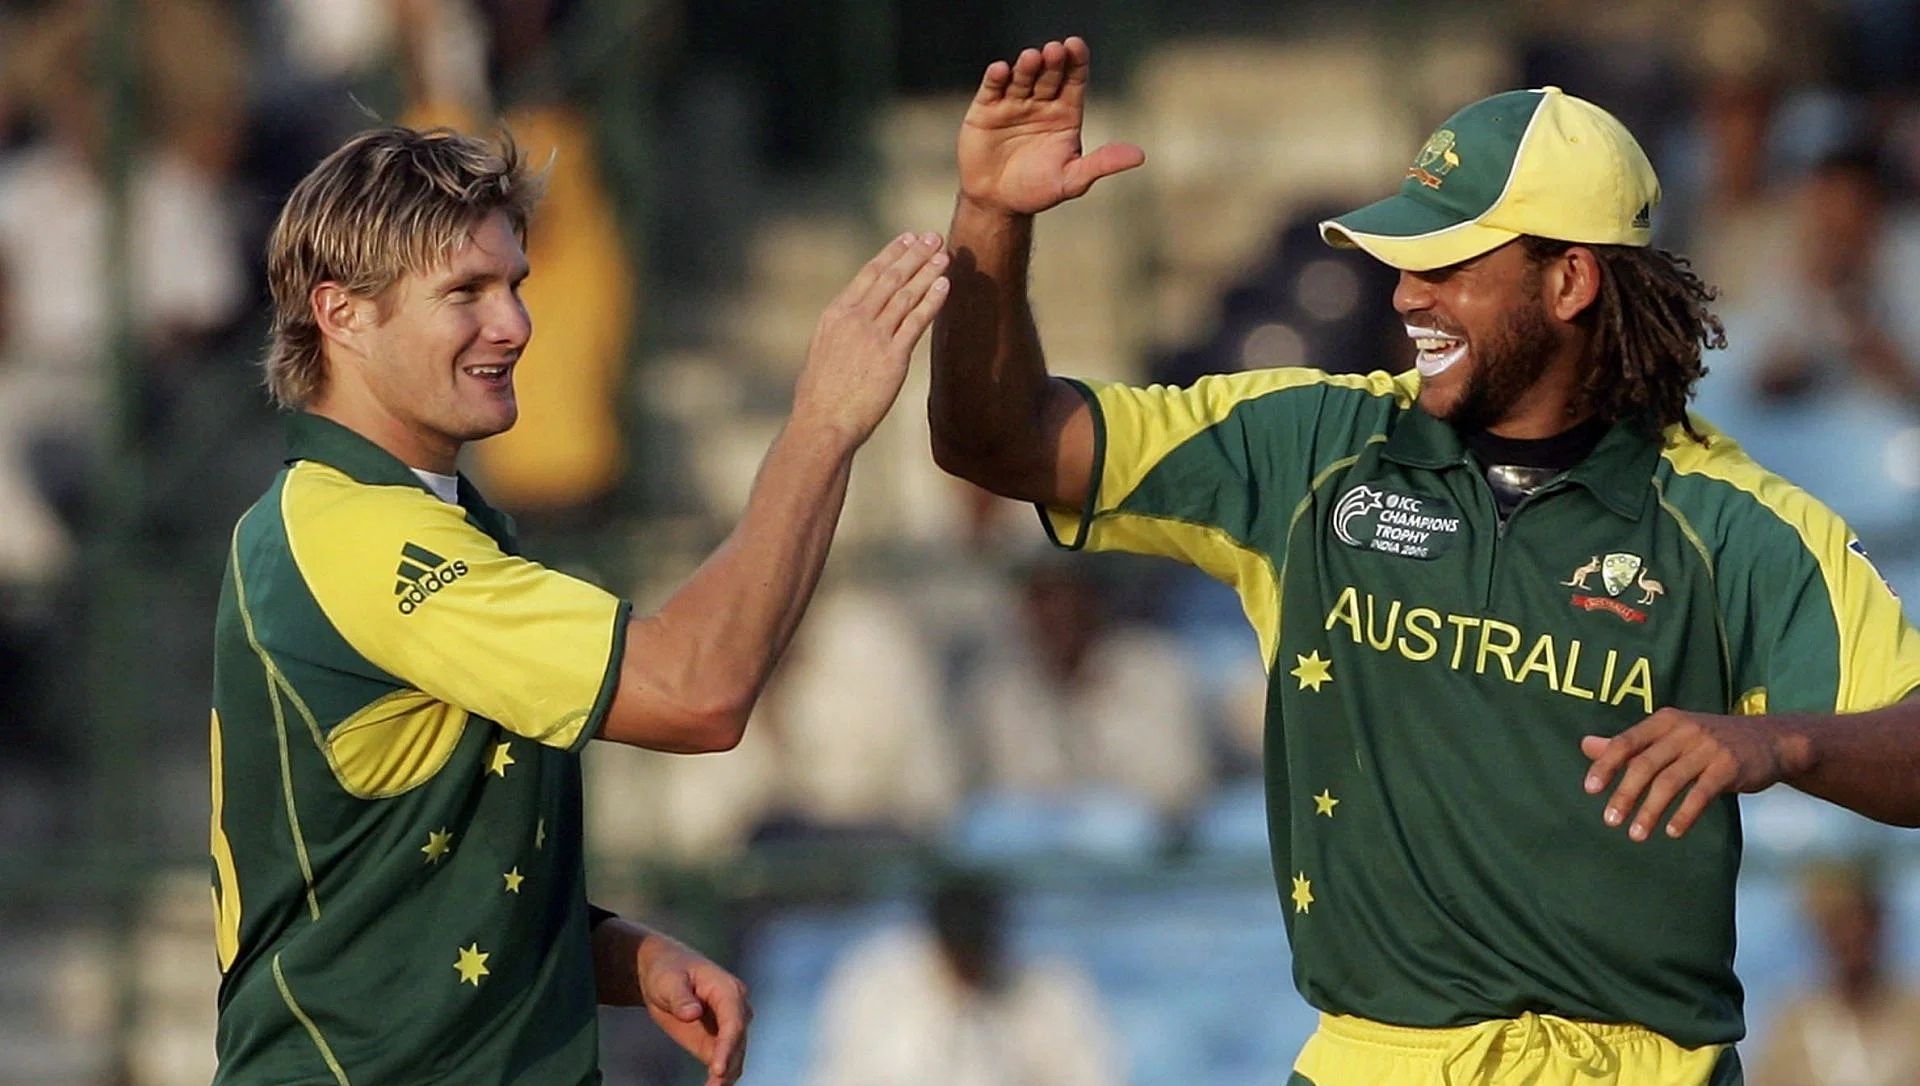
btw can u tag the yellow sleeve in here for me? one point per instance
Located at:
(411, 585)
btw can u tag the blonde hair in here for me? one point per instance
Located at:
(392, 201)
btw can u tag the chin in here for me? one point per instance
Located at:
(490, 423)
(1441, 405)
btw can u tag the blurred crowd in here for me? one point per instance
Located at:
(957, 686)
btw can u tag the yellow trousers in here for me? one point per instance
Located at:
(1531, 1050)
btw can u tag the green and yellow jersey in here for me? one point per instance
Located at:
(399, 702)
(1432, 671)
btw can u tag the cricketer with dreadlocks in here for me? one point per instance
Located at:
(1487, 591)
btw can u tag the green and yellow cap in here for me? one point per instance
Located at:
(1538, 162)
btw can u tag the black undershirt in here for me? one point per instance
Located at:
(1516, 467)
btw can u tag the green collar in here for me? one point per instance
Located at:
(311, 437)
(1617, 472)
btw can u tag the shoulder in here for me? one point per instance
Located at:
(1740, 507)
(1216, 396)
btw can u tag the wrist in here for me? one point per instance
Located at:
(1794, 753)
(982, 209)
(818, 429)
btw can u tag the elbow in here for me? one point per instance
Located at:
(954, 458)
(711, 725)
(981, 467)
(682, 721)
(720, 728)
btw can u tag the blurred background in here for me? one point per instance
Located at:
(999, 820)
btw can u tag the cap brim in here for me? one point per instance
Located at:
(1405, 233)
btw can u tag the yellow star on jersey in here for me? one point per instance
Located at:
(540, 833)
(439, 843)
(1302, 893)
(472, 964)
(514, 879)
(1312, 671)
(1324, 803)
(501, 760)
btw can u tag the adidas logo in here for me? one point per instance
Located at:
(421, 574)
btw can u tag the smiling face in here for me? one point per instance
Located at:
(429, 365)
(1491, 352)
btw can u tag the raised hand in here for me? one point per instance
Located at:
(1019, 145)
(858, 359)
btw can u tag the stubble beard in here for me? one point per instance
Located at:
(1508, 365)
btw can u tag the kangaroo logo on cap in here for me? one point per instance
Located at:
(1436, 160)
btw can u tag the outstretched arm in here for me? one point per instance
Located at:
(692, 671)
(997, 419)
(1866, 762)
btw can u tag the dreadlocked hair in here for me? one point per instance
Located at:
(1650, 324)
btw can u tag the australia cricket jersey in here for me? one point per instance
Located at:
(399, 700)
(1432, 671)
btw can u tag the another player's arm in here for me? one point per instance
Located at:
(692, 670)
(1826, 638)
(700, 1005)
(1866, 762)
(997, 419)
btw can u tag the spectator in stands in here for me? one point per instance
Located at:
(1076, 700)
(1836, 307)
(185, 269)
(1858, 1028)
(946, 1004)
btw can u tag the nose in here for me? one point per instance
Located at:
(508, 323)
(1412, 294)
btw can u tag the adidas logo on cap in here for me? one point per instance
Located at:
(421, 574)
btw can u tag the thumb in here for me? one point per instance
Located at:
(673, 993)
(1104, 161)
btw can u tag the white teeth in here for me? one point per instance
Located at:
(1434, 363)
(486, 371)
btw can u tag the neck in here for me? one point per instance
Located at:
(359, 411)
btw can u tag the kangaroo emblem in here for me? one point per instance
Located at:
(1649, 587)
(1580, 575)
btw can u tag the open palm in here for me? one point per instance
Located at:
(1020, 146)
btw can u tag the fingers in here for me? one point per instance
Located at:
(727, 1002)
(907, 261)
(921, 316)
(1666, 786)
(1053, 71)
(1109, 159)
(1026, 71)
(906, 299)
(872, 270)
(1713, 783)
(1638, 774)
(1079, 66)
(993, 84)
(672, 992)
(1610, 754)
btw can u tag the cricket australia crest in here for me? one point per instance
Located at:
(1435, 160)
(1619, 572)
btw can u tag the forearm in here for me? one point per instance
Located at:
(989, 379)
(709, 650)
(1866, 762)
